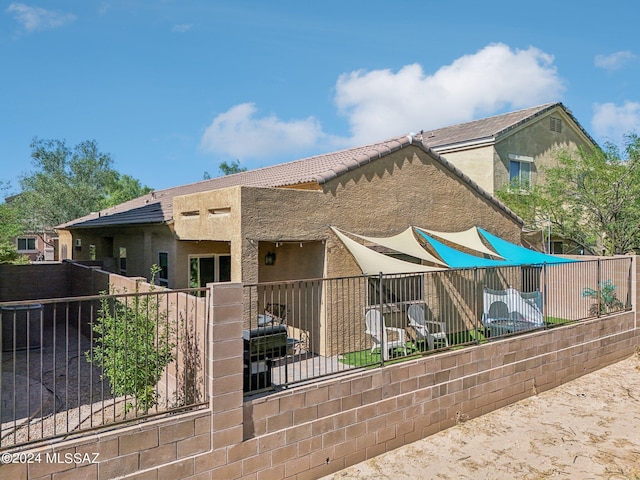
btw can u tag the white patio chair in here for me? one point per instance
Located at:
(379, 334)
(429, 330)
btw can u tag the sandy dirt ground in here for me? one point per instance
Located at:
(586, 429)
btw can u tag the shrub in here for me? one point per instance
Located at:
(608, 299)
(132, 345)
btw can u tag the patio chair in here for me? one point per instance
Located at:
(429, 330)
(374, 323)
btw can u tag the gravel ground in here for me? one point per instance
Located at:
(586, 429)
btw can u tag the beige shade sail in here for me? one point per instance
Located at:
(406, 243)
(373, 263)
(467, 238)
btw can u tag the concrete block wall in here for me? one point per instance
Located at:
(33, 282)
(313, 430)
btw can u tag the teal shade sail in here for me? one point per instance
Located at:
(518, 255)
(457, 259)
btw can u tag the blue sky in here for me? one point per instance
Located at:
(172, 88)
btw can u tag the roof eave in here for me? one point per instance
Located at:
(376, 152)
(475, 143)
(88, 225)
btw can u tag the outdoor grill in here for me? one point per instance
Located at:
(261, 345)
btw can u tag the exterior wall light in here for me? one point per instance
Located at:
(270, 258)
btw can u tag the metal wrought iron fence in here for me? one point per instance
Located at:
(303, 330)
(75, 364)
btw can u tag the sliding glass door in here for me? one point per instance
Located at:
(205, 269)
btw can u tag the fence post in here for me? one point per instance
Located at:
(545, 311)
(598, 292)
(630, 303)
(476, 308)
(383, 334)
(225, 362)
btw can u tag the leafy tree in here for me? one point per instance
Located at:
(68, 183)
(226, 168)
(10, 227)
(9, 254)
(591, 197)
(229, 168)
(122, 189)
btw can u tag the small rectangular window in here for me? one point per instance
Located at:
(520, 173)
(26, 244)
(163, 274)
(555, 124)
(123, 261)
(395, 291)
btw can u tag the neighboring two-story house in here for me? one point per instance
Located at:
(518, 145)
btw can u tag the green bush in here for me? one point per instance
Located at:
(133, 346)
(608, 299)
(9, 254)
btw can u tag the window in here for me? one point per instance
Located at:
(520, 173)
(555, 124)
(92, 252)
(205, 269)
(395, 290)
(163, 274)
(25, 244)
(520, 170)
(123, 261)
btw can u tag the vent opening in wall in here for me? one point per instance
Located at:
(190, 213)
(220, 211)
(555, 124)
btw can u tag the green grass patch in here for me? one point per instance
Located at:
(468, 336)
(364, 358)
(557, 321)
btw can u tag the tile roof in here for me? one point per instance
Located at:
(157, 207)
(490, 128)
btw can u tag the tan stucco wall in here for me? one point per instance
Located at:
(476, 163)
(218, 218)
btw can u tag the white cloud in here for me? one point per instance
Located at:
(615, 61)
(34, 18)
(239, 133)
(184, 27)
(381, 103)
(611, 122)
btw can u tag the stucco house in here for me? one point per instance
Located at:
(494, 151)
(274, 223)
